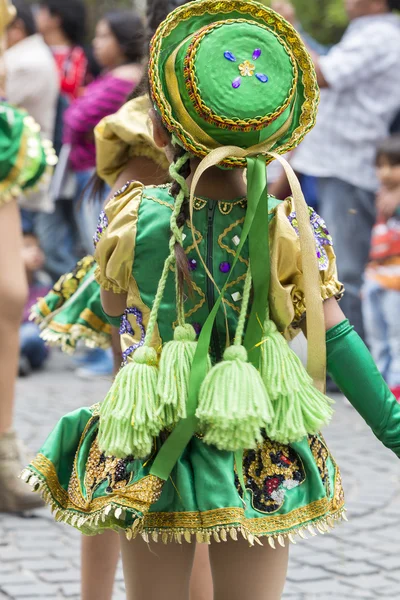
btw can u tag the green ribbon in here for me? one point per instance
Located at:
(256, 228)
(259, 260)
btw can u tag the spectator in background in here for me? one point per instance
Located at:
(382, 282)
(32, 83)
(119, 49)
(32, 80)
(63, 26)
(33, 350)
(360, 78)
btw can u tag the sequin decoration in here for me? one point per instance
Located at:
(321, 454)
(100, 469)
(230, 56)
(321, 236)
(192, 264)
(123, 189)
(102, 225)
(197, 327)
(225, 267)
(126, 328)
(69, 283)
(269, 472)
(246, 68)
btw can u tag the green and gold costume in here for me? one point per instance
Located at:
(211, 428)
(71, 313)
(25, 158)
(290, 487)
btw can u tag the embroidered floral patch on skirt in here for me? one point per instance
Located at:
(289, 490)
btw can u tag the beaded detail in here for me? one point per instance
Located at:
(246, 68)
(127, 328)
(102, 225)
(321, 236)
(270, 471)
(100, 469)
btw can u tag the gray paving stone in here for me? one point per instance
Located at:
(64, 576)
(388, 563)
(307, 574)
(351, 568)
(49, 564)
(71, 589)
(16, 577)
(34, 590)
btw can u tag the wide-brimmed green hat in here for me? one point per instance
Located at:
(232, 73)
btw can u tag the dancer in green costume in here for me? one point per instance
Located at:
(25, 160)
(211, 429)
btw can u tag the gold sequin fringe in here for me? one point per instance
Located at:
(75, 519)
(78, 333)
(217, 534)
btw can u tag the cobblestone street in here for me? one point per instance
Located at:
(360, 560)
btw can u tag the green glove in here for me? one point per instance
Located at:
(113, 321)
(353, 370)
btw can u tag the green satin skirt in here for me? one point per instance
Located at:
(72, 312)
(289, 490)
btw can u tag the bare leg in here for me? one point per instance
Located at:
(201, 585)
(116, 349)
(157, 570)
(13, 294)
(15, 496)
(99, 557)
(242, 572)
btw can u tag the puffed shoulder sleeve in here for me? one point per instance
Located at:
(123, 135)
(115, 239)
(287, 284)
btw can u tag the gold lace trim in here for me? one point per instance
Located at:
(215, 525)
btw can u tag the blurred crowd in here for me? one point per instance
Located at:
(349, 165)
(68, 87)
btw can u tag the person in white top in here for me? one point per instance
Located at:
(360, 96)
(32, 78)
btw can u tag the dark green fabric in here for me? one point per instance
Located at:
(114, 321)
(154, 224)
(186, 428)
(352, 368)
(11, 130)
(259, 258)
(202, 480)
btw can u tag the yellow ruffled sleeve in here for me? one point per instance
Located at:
(287, 284)
(115, 239)
(126, 134)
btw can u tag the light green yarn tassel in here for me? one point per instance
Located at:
(233, 403)
(175, 366)
(300, 409)
(128, 415)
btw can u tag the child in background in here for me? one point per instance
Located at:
(382, 289)
(33, 351)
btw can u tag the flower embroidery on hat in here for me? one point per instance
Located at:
(246, 68)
